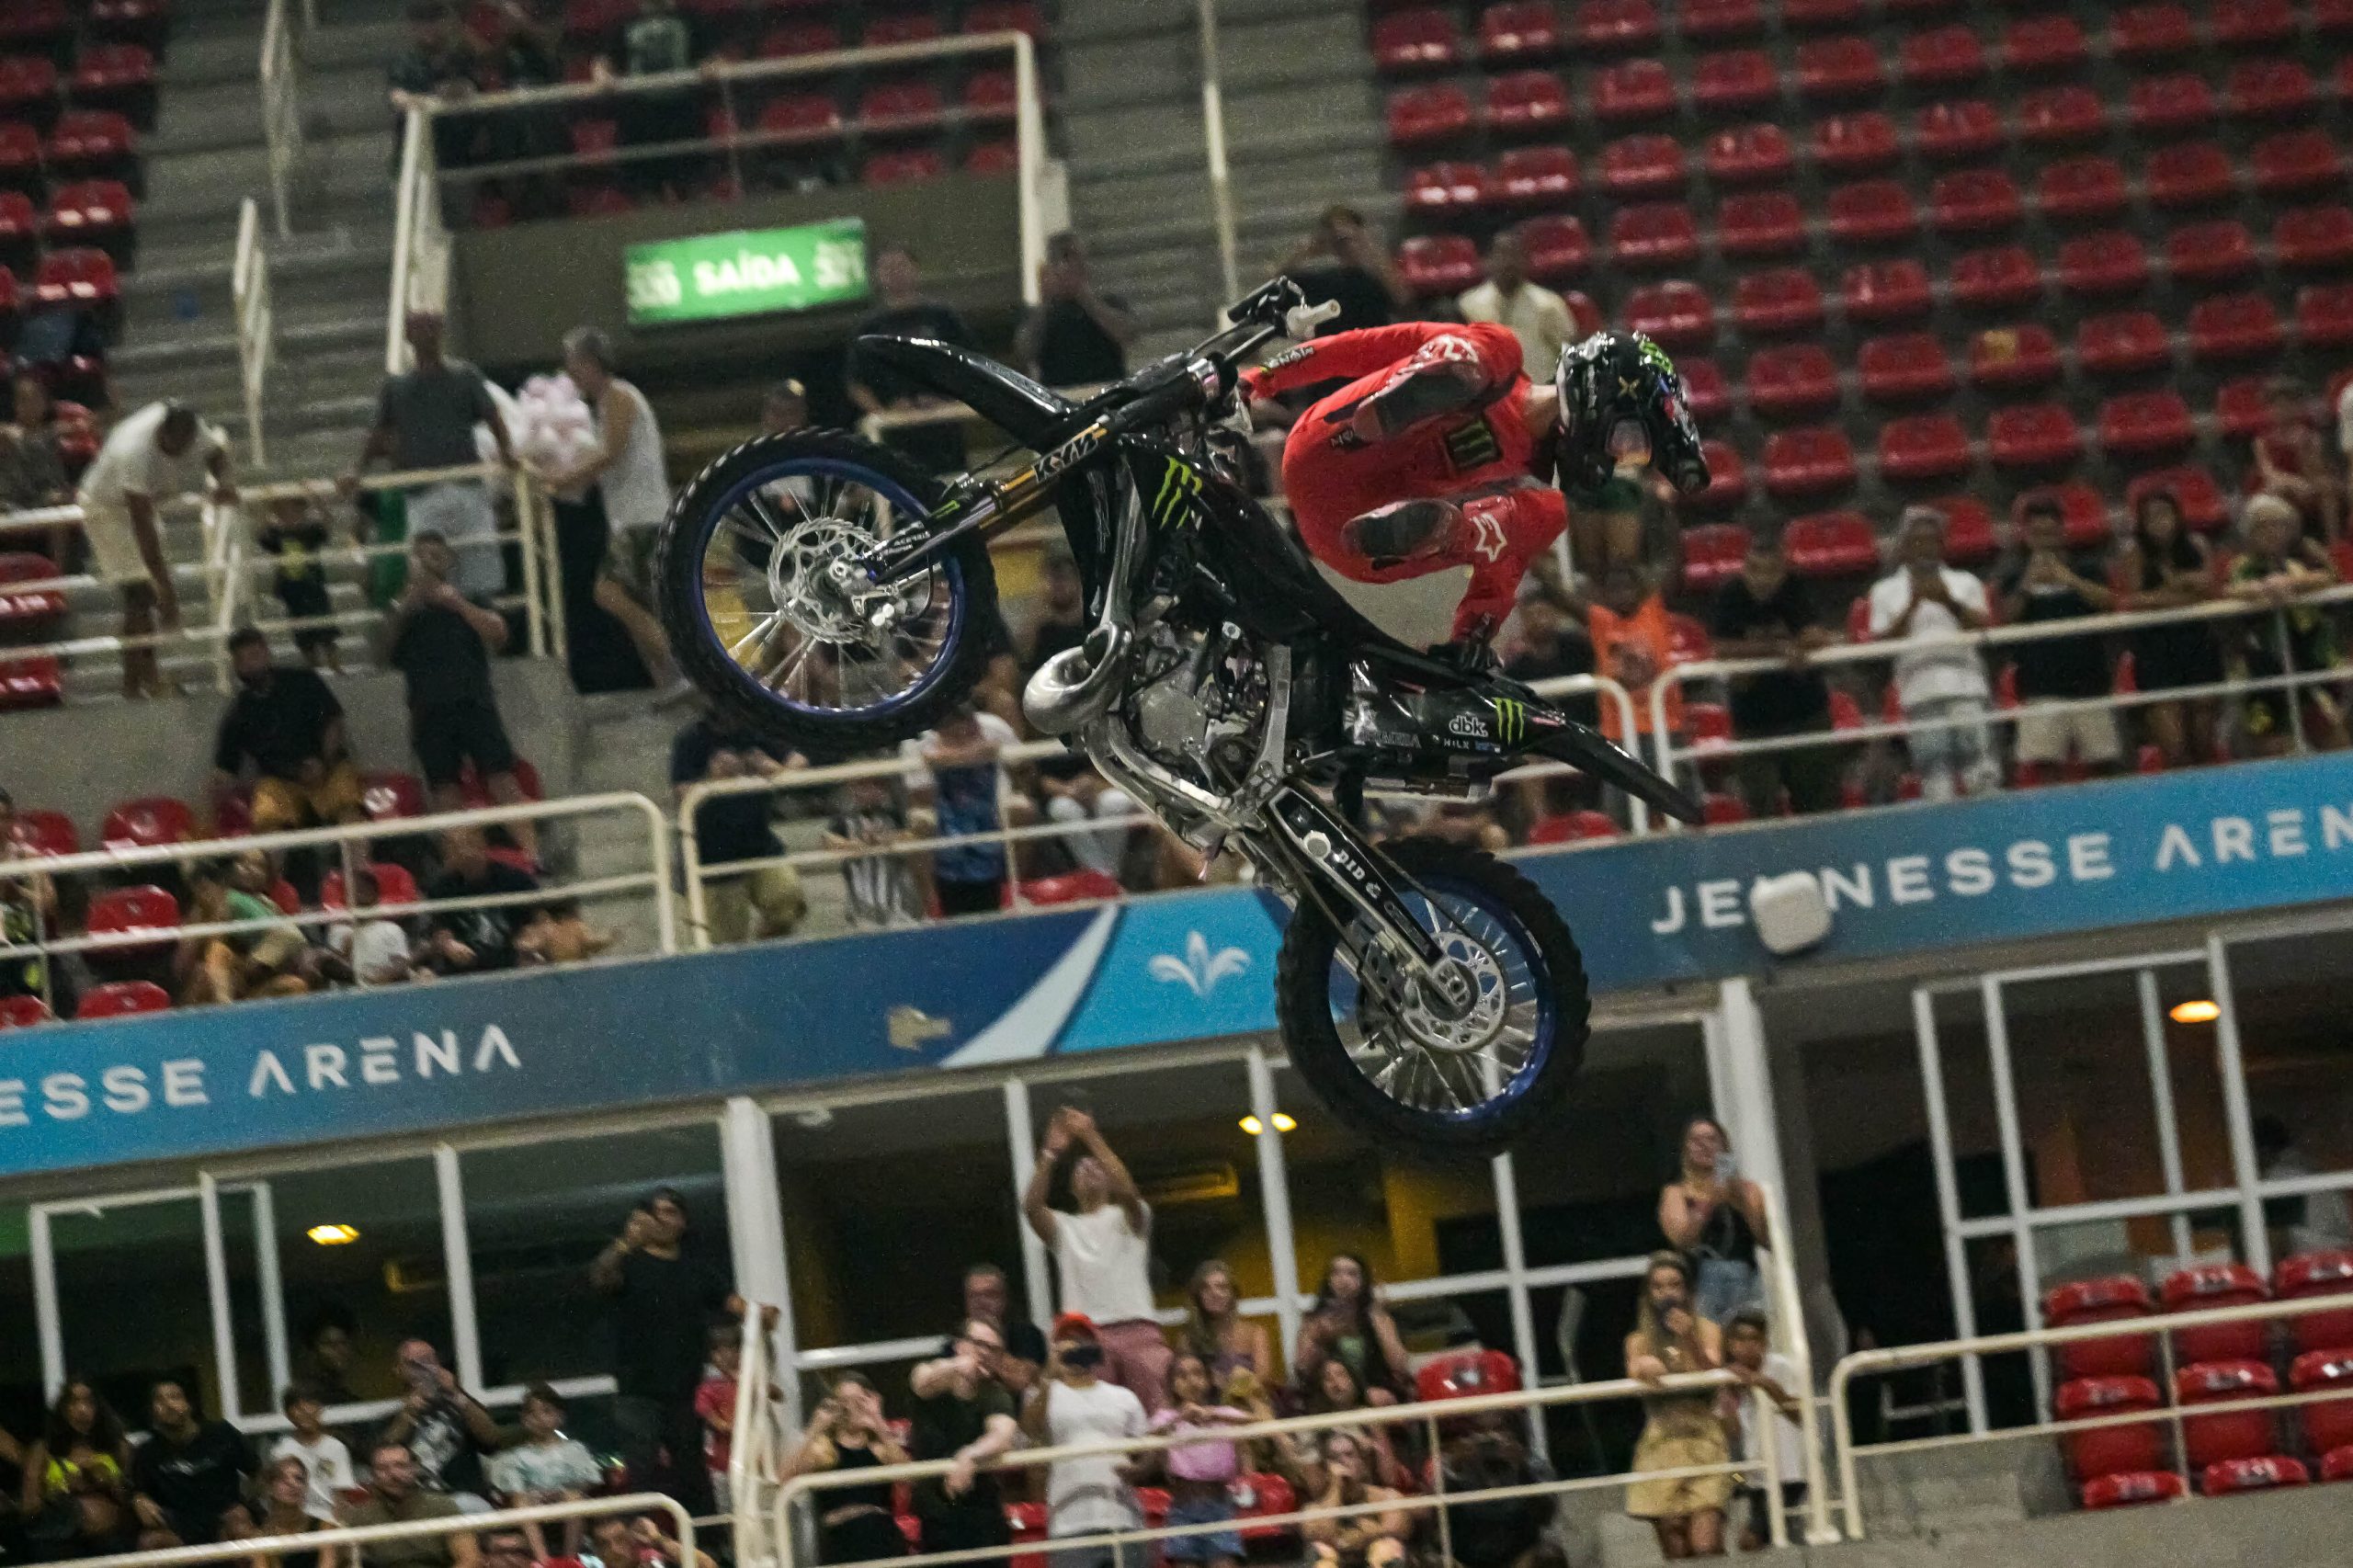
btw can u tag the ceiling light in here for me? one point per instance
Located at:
(332, 1235)
(2202, 1011)
(1284, 1122)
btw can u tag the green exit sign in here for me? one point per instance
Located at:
(749, 273)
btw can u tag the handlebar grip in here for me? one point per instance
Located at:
(1301, 321)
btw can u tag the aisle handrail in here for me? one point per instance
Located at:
(257, 328)
(282, 1546)
(282, 104)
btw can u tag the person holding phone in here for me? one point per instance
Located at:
(444, 1429)
(965, 1414)
(1683, 1431)
(1941, 682)
(1715, 1217)
(1102, 1247)
(847, 1431)
(1075, 1405)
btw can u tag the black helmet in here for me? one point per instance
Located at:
(1613, 380)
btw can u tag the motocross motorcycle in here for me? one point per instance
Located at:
(821, 589)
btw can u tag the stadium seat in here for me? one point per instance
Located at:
(2261, 1473)
(799, 38)
(1446, 187)
(1831, 69)
(1797, 382)
(1757, 224)
(141, 910)
(19, 227)
(93, 212)
(1922, 449)
(386, 796)
(1439, 264)
(909, 167)
(1721, 810)
(2270, 89)
(909, 26)
(1520, 31)
(25, 617)
(2176, 101)
(2151, 32)
(28, 89)
(2133, 1489)
(2332, 19)
(2319, 237)
(2216, 250)
(80, 276)
(1421, 115)
(45, 833)
(2312, 1273)
(35, 26)
(36, 681)
(1830, 544)
(2250, 24)
(2146, 425)
(1633, 90)
(1704, 388)
(1465, 1374)
(1785, 299)
(1571, 827)
(993, 158)
(2081, 189)
(1971, 537)
(1727, 479)
(2110, 1450)
(2042, 45)
(1974, 201)
(1941, 57)
(1872, 211)
(2111, 262)
(2033, 436)
(1819, 15)
(1858, 143)
(1809, 463)
(147, 821)
(1734, 81)
(1653, 237)
(1536, 176)
(1557, 247)
(22, 158)
(1603, 25)
(395, 886)
(1996, 278)
(86, 143)
(2326, 1425)
(2203, 507)
(2240, 408)
(2239, 1434)
(1966, 128)
(1004, 16)
(2324, 316)
(1524, 102)
(1711, 556)
(2110, 1298)
(2123, 343)
(800, 117)
(23, 1012)
(992, 94)
(896, 105)
(1721, 21)
(2058, 117)
(1680, 315)
(1906, 367)
(1642, 166)
(2190, 174)
(123, 998)
(2234, 326)
(1070, 887)
(119, 77)
(1750, 155)
(2083, 515)
(1423, 39)
(1875, 293)
(2287, 163)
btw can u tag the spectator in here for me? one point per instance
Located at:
(1359, 1539)
(1485, 1453)
(1634, 642)
(638, 1543)
(964, 1416)
(187, 1473)
(1074, 337)
(883, 890)
(657, 41)
(1062, 619)
(76, 1496)
(1200, 1475)
(368, 951)
(988, 1297)
(152, 457)
(444, 1430)
(1349, 1323)
(1074, 1407)
(731, 830)
(557, 933)
(326, 1463)
(847, 1431)
(1942, 684)
(1216, 1331)
(2045, 585)
(510, 1548)
(784, 408)
(394, 1497)
(665, 1292)
(1080, 800)
(966, 781)
(32, 468)
(1766, 613)
(288, 727)
(29, 910)
(2279, 568)
(1342, 261)
(440, 638)
(875, 387)
(545, 1466)
(478, 939)
(437, 62)
(1339, 1390)
(327, 1352)
(1102, 1250)
(1715, 1217)
(1554, 646)
(296, 534)
(2164, 566)
(715, 1408)
(1682, 1430)
(2292, 461)
(1537, 316)
(2312, 1221)
(270, 957)
(1760, 1370)
(282, 1507)
(425, 420)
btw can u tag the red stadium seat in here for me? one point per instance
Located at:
(123, 998)
(37, 26)
(2262, 1473)
(2146, 425)
(1423, 39)
(2083, 511)
(1797, 382)
(120, 911)
(147, 821)
(1001, 17)
(899, 104)
(1418, 115)
(2123, 343)
(1966, 128)
(2270, 89)
(28, 88)
(1704, 388)
(910, 167)
(2314, 238)
(2327, 1426)
(37, 681)
(1557, 247)
(1876, 292)
(386, 796)
(2234, 326)
(1830, 544)
(1970, 535)
(39, 833)
(1070, 887)
(1572, 827)
(1439, 264)
(2332, 19)
(1856, 143)
(1521, 103)
(116, 76)
(1727, 479)
(2014, 358)
(2241, 1434)
(1830, 69)
(2312, 1273)
(2111, 1299)
(1996, 278)
(2192, 173)
(2151, 32)
(94, 212)
(20, 155)
(992, 94)
(1784, 300)
(911, 27)
(24, 617)
(1975, 201)
(2289, 161)
(2203, 506)
(1734, 81)
(800, 117)
(2081, 189)
(1536, 176)
(2220, 251)
(799, 37)
(593, 139)
(1642, 166)
(23, 1012)
(1750, 155)
(2251, 24)
(2179, 101)
(2057, 117)
(1722, 809)
(1680, 315)
(1804, 465)
(1711, 555)
(2324, 316)
(2110, 1450)
(1940, 57)
(394, 887)
(1465, 1374)
(1817, 16)
(1446, 188)
(1906, 367)
(1719, 21)
(1872, 211)
(91, 142)
(1922, 449)
(1654, 237)
(2111, 262)
(2241, 407)
(2040, 44)
(993, 158)
(1760, 223)
(1518, 31)
(2204, 1288)
(2033, 436)
(1604, 26)
(1633, 90)
(2133, 1489)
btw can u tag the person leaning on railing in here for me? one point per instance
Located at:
(2164, 565)
(1670, 1339)
(1356, 1540)
(2279, 568)
(847, 1431)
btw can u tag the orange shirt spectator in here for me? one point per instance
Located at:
(1632, 641)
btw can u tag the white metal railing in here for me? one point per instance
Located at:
(420, 239)
(2170, 1411)
(325, 1543)
(281, 103)
(257, 327)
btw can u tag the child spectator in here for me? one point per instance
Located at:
(884, 889)
(1200, 1473)
(1747, 1358)
(1357, 1540)
(296, 533)
(715, 1403)
(557, 934)
(326, 1463)
(545, 1467)
(967, 782)
(1632, 641)
(2279, 568)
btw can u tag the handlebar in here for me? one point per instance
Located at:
(1204, 377)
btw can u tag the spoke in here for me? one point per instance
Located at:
(791, 667)
(764, 509)
(759, 635)
(734, 524)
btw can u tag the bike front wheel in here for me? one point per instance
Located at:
(754, 587)
(1444, 1082)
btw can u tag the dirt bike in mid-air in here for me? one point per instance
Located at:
(823, 590)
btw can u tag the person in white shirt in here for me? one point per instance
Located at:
(152, 457)
(326, 1462)
(377, 950)
(1075, 1405)
(1537, 316)
(1103, 1251)
(1942, 685)
(1768, 1372)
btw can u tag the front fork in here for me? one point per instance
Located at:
(1347, 876)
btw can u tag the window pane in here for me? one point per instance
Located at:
(132, 1298)
(537, 1214)
(20, 1390)
(240, 1252)
(349, 1304)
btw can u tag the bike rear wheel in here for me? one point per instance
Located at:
(759, 620)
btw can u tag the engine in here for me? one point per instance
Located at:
(1196, 704)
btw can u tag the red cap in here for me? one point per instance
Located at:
(1076, 1323)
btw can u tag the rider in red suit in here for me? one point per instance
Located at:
(1427, 458)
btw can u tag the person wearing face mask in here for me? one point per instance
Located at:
(1102, 1248)
(284, 726)
(1074, 1406)
(1715, 1217)
(1683, 1431)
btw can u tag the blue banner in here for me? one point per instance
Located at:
(1182, 966)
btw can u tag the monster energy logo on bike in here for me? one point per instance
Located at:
(1511, 719)
(1178, 485)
